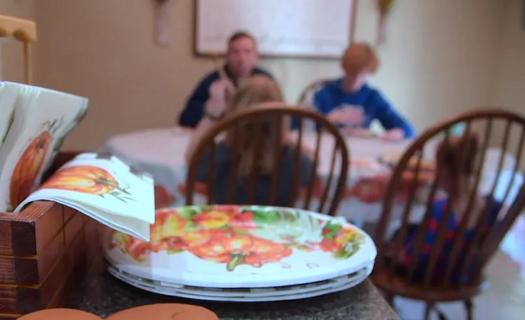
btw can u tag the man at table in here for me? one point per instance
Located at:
(350, 102)
(211, 95)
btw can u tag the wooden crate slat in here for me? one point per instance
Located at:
(5, 238)
(17, 299)
(32, 270)
(72, 229)
(76, 258)
(30, 230)
(7, 270)
(69, 213)
(35, 270)
(31, 299)
(42, 250)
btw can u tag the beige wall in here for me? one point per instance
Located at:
(439, 56)
(104, 50)
(509, 80)
(11, 63)
(438, 59)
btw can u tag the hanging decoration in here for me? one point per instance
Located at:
(162, 21)
(384, 7)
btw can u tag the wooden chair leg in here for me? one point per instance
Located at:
(468, 307)
(428, 308)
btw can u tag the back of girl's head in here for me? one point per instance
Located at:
(255, 90)
(456, 155)
(252, 93)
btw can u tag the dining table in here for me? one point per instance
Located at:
(161, 153)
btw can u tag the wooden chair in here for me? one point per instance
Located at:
(265, 121)
(459, 275)
(24, 31)
(307, 95)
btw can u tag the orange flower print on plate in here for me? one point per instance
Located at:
(86, 179)
(236, 235)
(28, 168)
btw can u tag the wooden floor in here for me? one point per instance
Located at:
(503, 300)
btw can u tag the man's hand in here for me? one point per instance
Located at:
(220, 93)
(348, 115)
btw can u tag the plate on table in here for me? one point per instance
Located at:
(292, 292)
(242, 247)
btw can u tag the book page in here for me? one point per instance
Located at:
(105, 189)
(34, 130)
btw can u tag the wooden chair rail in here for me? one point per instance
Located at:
(268, 126)
(451, 267)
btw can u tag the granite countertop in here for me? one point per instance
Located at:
(100, 293)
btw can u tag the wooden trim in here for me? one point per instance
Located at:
(21, 29)
(27, 63)
(24, 31)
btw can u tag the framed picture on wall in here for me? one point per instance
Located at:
(282, 28)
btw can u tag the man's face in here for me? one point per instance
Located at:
(242, 57)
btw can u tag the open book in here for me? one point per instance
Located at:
(104, 188)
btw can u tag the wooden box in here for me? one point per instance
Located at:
(41, 254)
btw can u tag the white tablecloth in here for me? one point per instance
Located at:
(161, 153)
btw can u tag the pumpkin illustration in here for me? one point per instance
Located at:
(28, 167)
(223, 247)
(86, 179)
(264, 251)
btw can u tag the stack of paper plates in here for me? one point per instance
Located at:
(243, 253)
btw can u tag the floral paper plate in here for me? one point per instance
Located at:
(242, 247)
(292, 292)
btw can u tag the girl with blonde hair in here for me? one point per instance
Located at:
(253, 93)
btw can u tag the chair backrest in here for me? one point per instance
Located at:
(307, 95)
(326, 191)
(22, 30)
(451, 249)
